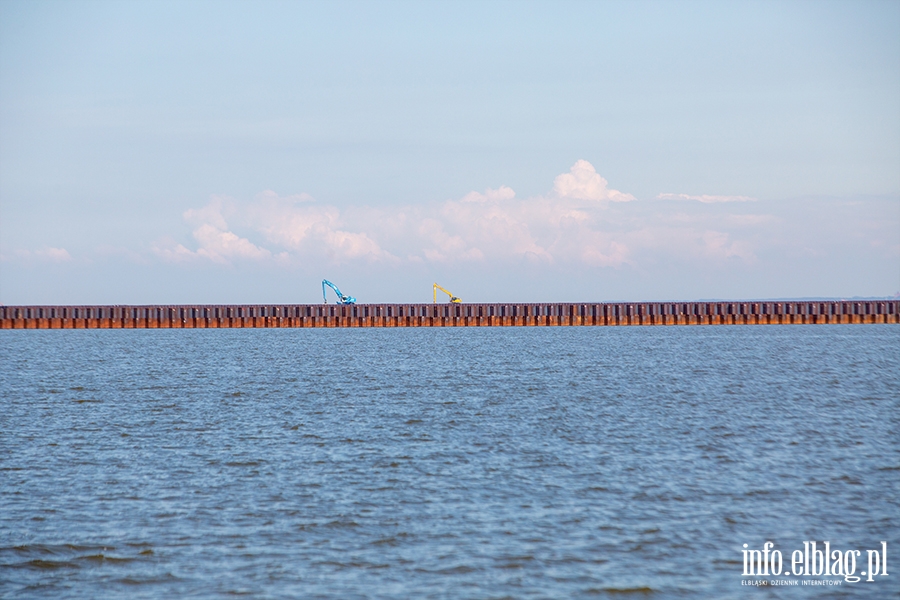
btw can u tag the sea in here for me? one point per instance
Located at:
(483, 463)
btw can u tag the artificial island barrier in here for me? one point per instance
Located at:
(448, 315)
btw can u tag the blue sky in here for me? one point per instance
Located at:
(241, 152)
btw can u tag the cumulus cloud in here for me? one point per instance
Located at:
(45, 254)
(491, 226)
(489, 195)
(718, 244)
(221, 246)
(706, 199)
(211, 214)
(171, 251)
(302, 225)
(558, 227)
(296, 224)
(53, 254)
(583, 183)
(215, 242)
(580, 221)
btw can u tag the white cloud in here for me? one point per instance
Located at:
(613, 255)
(494, 228)
(580, 221)
(489, 195)
(53, 254)
(300, 224)
(443, 247)
(215, 241)
(303, 228)
(45, 254)
(583, 183)
(706, 199)
(718, 244)
(171, 251)
(210, 214)
(221, 246)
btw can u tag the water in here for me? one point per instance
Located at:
(443, 463)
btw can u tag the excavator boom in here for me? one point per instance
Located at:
(342, 299)
(453, 298)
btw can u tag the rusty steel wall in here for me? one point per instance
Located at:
(448, 315)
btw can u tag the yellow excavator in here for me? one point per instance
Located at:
(453, 298)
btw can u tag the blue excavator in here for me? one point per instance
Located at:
(342, 299)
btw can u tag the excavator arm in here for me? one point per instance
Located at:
(453, 298)
(342, 299)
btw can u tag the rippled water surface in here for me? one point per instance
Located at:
(443, 463)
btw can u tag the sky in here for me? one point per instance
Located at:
(217, 152)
